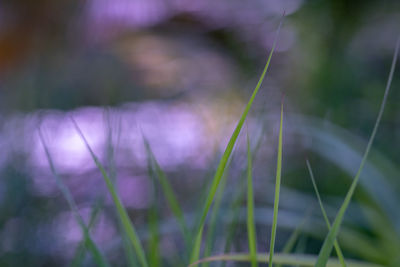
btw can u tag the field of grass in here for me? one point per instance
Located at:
(342, 246)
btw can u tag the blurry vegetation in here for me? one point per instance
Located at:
(180, 73)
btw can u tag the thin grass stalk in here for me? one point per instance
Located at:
(328, 224)
(277, 190)
(251, 228)
(122, 213)
(214, 216)
(332, 235)
(224, 160)
(168, 192)
(89, 243)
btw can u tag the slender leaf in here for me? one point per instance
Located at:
(80, 251)
(235, 207)
(277, 190)
(291, 242)
(123, 215)
(153, 221)
(251, 228)
(331, 237)
(214, 214)
(89, 243)
(224, 159)
(168, 192)
(328, 224)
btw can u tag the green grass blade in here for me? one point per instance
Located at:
(239, 198)
(224, 159)
(214, 215)
(154, 249)
(80, 251)
(290, 244)
(89, 243)
(293, 238)
(277, 190)
(331, 237)
(197, 244)
(235, 205)
(112, 171)
(235, 211)
(168, 192)
(153, 221)
(281, 258)
(328, 224)
(251, 228)
(122, 213)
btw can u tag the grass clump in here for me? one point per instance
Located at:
(333, 232)
(193, 236)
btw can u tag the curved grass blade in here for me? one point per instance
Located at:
(80, 251)
(168, 192)
(236, 203)
(224, 159)
(331, 237)
(214, 214)
(153, 222)
(277, 190)
(235, 207)
(235, 211)
(328, 224)
(123, 215)
(251, 229)
(281, 258)
(290, 244)
(88, 241)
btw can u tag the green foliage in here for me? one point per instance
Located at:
(193, 240)
(286, 259)
(328, 224)
(333, 232)
(123, 215)
(88, 241)
(277, 191)
(224, 159)
(251, 228)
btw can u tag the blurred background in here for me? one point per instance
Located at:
(180, 73)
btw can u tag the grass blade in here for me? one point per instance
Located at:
(89, 243)
(214, 214)
(277, 190)
(331, 237)
(328, 224)
(234, 224)
(80, 251)
(224, 159)
(235, 206)
(154, 249)
(251, 229)
(123, 215)
(290, 244)
(168, 192)
(281, 258)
